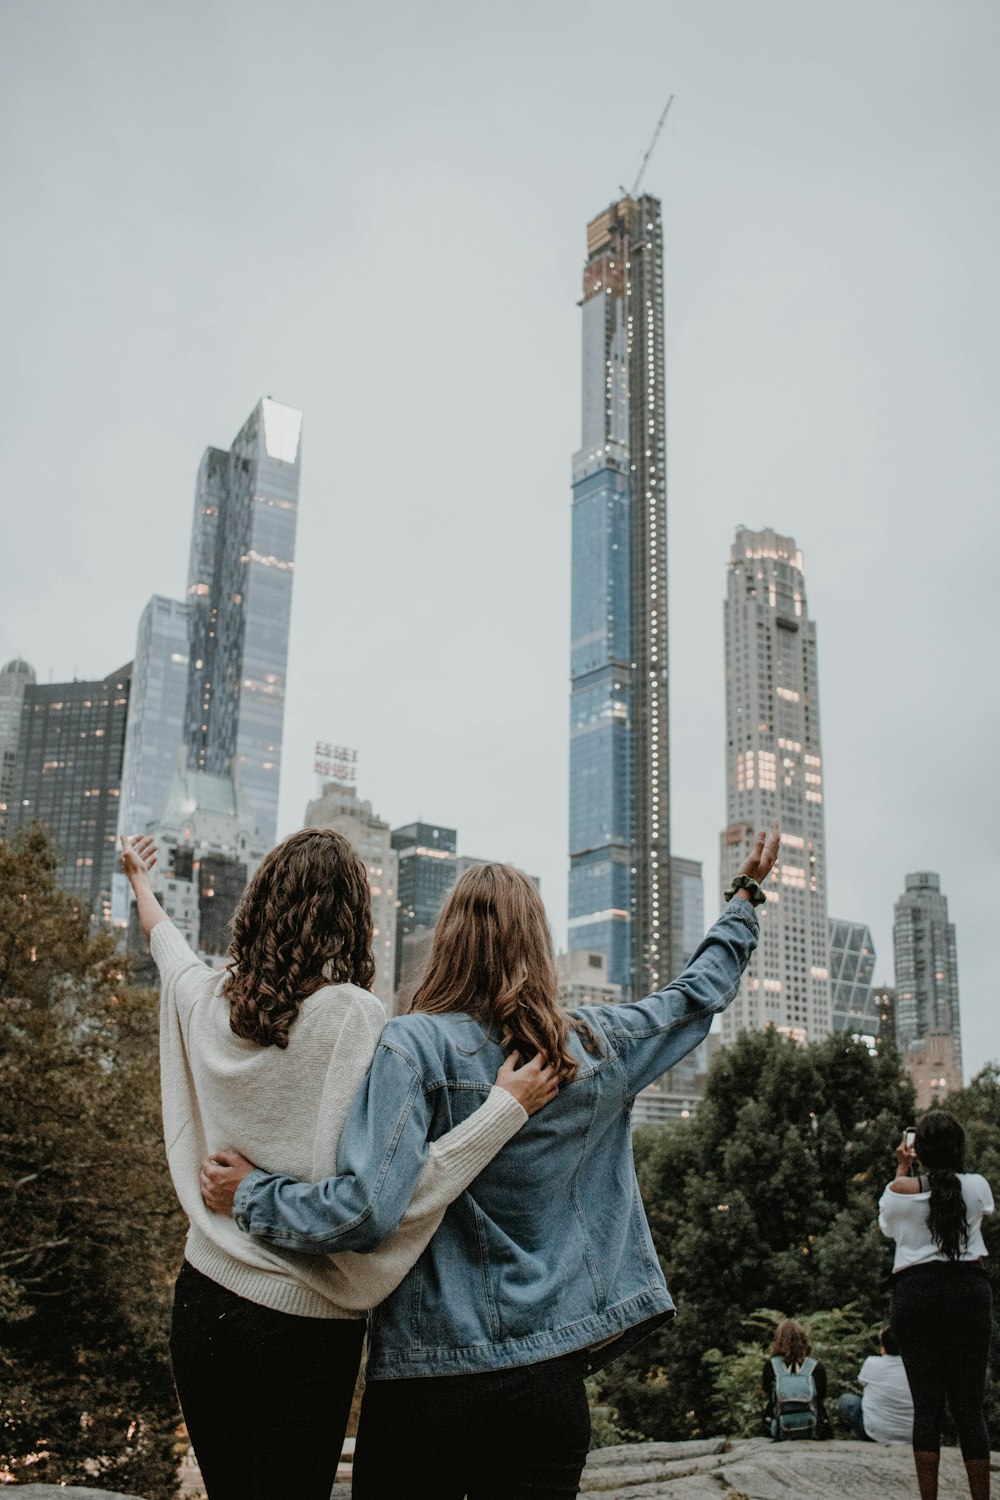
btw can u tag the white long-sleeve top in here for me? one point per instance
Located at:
(284, 1108)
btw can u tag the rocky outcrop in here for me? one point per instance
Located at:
(716, 1469)
(757, 1469)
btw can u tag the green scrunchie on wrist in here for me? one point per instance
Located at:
(752, 887)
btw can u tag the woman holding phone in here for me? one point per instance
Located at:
(544, 1269)
(266, 1343)
(942, 1306)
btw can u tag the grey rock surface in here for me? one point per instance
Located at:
(66, 1492)
(757, 1469)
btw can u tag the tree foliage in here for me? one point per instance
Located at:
(92, 1236)
(767, 1200)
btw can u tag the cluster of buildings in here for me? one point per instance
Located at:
(185, 740)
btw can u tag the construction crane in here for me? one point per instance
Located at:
(649, 151)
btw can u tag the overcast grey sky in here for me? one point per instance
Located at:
(376, 213)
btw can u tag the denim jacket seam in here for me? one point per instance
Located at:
(595, 1275)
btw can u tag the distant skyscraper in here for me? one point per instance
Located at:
(240, 594)
(884, 1006)
(156, 712)
(583, 979)
(852, 965)
(687, 909)
(774, 769)
(926, 966)
(209, 847)
(933, 1068)
(426, 873)
(68, 777)
(15, 677)
(619, 883)
(674, 1093)
(340, 808)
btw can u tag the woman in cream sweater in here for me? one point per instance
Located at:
(266, 1057)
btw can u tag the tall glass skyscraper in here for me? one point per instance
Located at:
(774, 769)
(156, 712)
(852, 968)
(619, 883)
(240, 595)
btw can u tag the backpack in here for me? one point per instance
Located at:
(796, 1406)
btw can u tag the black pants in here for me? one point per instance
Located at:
(265, 1395)
(518, 1434)
(942, 1315)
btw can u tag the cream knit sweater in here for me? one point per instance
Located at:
(284, 1109)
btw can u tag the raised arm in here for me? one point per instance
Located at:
(138, 858)
(386, 1167)
(654, 1034)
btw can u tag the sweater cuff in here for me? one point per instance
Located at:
(471, 1146)
(168, 948)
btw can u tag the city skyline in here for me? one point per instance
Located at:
(830, 368)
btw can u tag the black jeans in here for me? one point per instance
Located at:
(265, 1395)
(519, 1434)
(942, 1315)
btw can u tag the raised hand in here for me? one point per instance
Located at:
(761, 862)
(138, 856)
(533, 1086)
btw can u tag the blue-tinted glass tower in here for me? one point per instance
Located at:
(240, 597)
(619, 883)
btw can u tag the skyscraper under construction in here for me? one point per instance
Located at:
(619, 883)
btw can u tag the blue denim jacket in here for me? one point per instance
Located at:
(548, 1251)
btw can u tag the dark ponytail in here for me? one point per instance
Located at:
(940, 1148)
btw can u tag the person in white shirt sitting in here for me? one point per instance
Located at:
(884, 1412)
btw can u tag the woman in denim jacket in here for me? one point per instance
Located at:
(544, 1268)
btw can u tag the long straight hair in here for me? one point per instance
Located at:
(492, 958)
(940, 1147)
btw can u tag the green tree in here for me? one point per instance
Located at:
(92, 1235)
(766, 1199)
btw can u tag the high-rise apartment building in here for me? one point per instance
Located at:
(240, 594)
(15, 677)
(926, 966)
(852, 967)
(774, 769)
(339, 807)
(68, 777)
(619, 882)
(156, 712)
(426, 872)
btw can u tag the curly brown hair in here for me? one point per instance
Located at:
(304, 920)
(492, 958)
(791, 1342)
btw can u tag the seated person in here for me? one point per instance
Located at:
(884, 1412)
(790, 1356)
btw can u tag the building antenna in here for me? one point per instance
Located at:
(649, 150)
